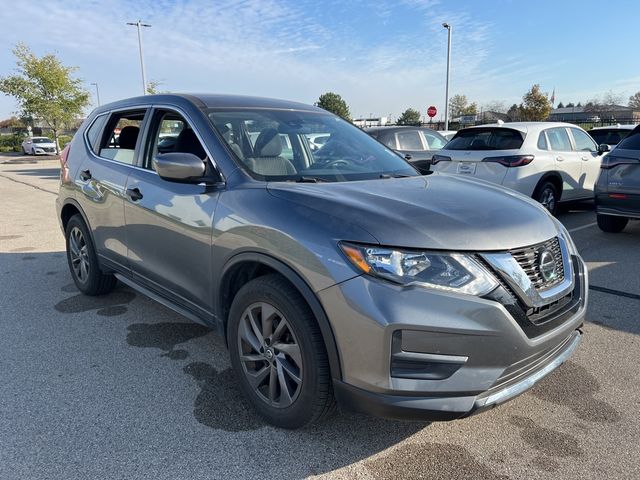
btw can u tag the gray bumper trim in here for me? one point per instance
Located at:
(521, 386)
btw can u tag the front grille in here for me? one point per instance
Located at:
(529, 260)
(49, 149)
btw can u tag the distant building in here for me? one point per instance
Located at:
(487, 116)
(371, 122)
(598, 113)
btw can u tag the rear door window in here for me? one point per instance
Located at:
(559, 139)
(487, 139)
(121, 135)
(409, 140)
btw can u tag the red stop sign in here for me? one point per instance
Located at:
(431, 111)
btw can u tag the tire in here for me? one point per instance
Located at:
(547, 194)
(83, 261)
(291, 323)
(611, 223)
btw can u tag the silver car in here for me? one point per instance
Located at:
(335, 274)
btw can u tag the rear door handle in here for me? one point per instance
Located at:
(134, 194)
(560, 159)
(85, 175)
(586, 159)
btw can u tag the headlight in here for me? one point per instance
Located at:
(452, 272)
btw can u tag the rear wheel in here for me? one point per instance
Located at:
(547, 195)
(612, 224)
(83, 261)
(277, 351)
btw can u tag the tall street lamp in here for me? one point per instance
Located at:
(139, 24)
(446, 100)
(97, 92)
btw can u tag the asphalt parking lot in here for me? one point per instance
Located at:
(121, 387)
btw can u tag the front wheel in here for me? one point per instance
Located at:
(612, 224)
(547, 195)
(277, 351)
(83, 261)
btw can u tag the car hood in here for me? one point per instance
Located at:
(435, 211)
(44, 145)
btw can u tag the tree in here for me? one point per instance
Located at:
(514, 113)
(13, 122)
(569, 105)
(535, 105)
(560, 105)
(334, 103)
(459, 105)
(634, 100)
(45, 89)
(410, 116)
(152, 87)
(496, 106)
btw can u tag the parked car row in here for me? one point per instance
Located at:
(550, 162)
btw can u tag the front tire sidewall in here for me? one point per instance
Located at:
(300, 412)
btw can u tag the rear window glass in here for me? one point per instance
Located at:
(631, 141)
(610, 137)
(487, 139)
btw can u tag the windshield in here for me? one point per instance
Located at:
(610, 137)
(41, 140)
(286, 145)
(486, 139)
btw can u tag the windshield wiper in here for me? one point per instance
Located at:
(305, 179)
(397, 175)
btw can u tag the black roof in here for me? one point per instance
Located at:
(212, 100)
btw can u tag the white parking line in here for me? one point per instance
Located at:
(588, 225)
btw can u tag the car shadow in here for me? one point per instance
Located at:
(42, 173)
(191, 363)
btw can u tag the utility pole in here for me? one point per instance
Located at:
(139, 24)
(97, 92)
(446, 100)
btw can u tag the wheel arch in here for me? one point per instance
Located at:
(555, 178)
(252, 265)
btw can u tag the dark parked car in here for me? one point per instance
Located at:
(617, 192)
(610, 135)
(416, 144)
(333, 273)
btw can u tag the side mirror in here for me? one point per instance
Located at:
(179, 166)
(603, 148)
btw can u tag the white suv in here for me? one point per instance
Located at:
(548, 161)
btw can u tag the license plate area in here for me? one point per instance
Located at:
(466, 168)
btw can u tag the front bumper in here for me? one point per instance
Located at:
(488, 355)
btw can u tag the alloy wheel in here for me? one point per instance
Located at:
(270, 355)
(79, 254)
(548, 199)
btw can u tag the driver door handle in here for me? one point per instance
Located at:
(85, 175)
(134, 194)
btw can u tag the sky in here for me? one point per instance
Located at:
(382, 56)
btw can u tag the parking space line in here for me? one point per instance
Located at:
(611, 291)
(588, 225)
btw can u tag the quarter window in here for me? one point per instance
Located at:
(434, 142)
(542, 142)
(93, 132)
(409, 140)
(559, 139)
(120, 137)
(584, 143)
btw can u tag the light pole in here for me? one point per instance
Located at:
(446, 100)
(97, 92)
(139, 24)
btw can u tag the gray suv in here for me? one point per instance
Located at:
(335, 274)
